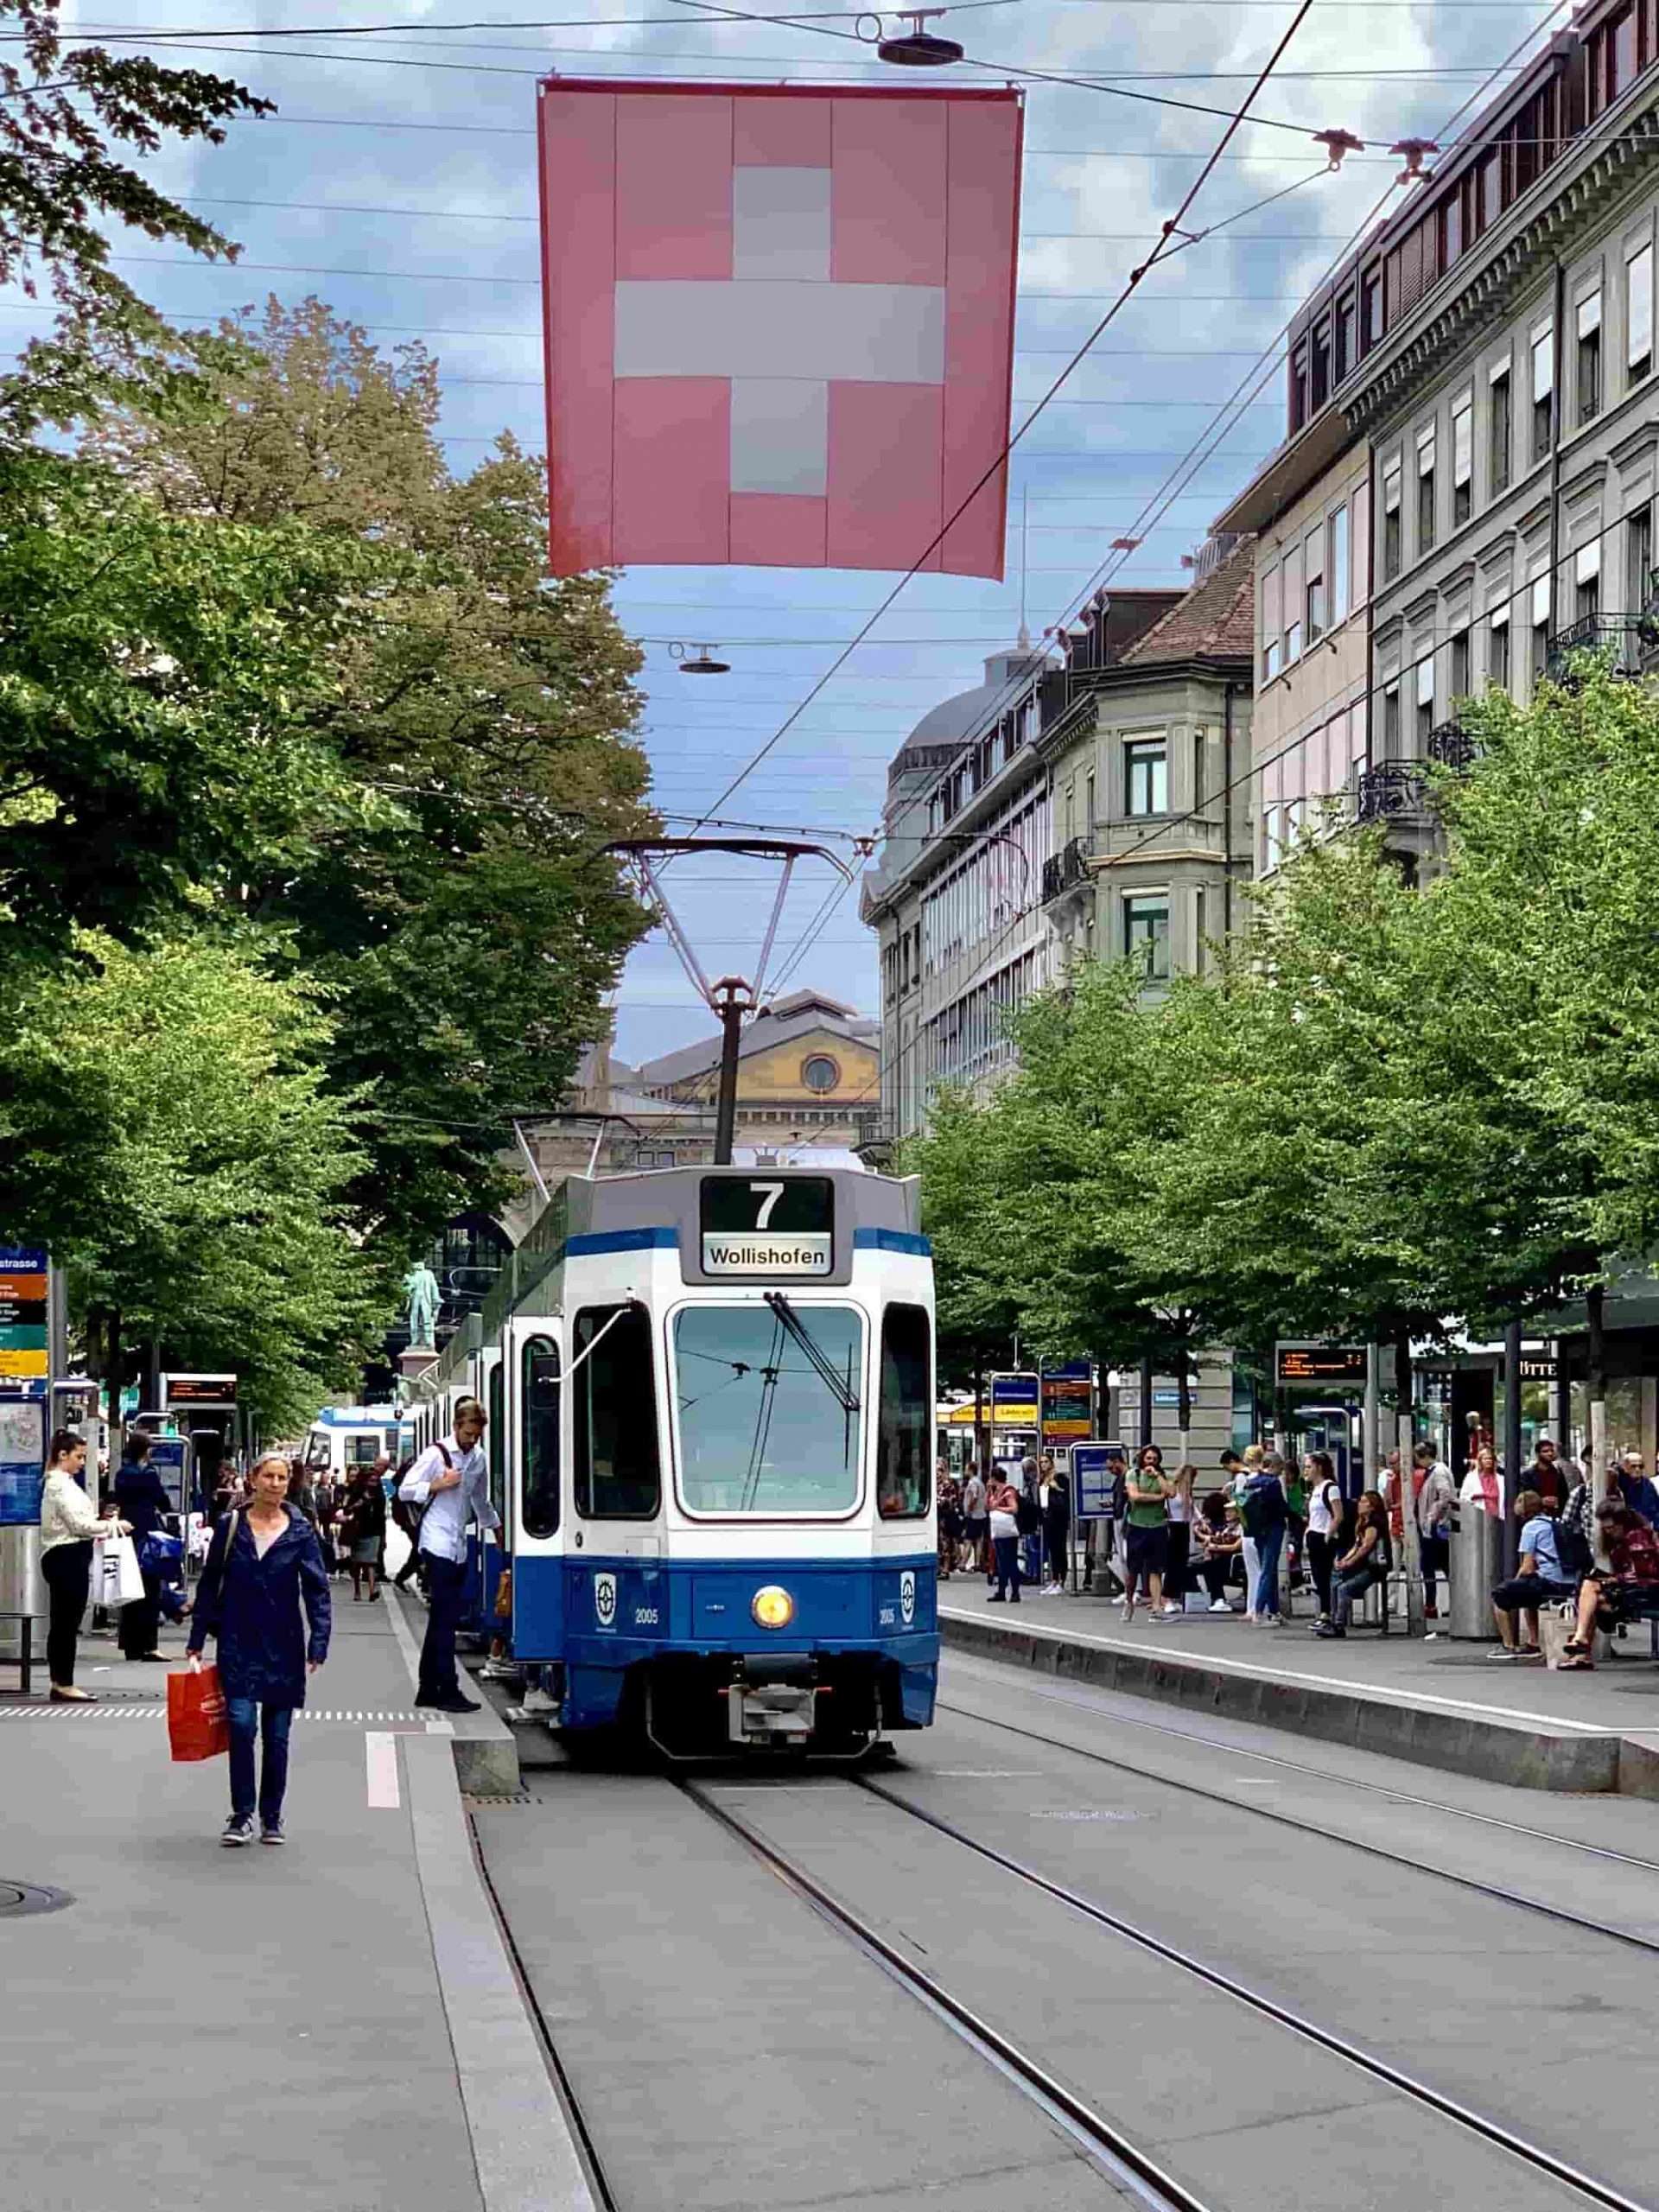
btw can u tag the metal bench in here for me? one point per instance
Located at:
(24, 1661)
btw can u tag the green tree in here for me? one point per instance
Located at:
(65, 114)
(166, 1131)
(470, 942)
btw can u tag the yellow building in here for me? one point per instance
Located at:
(809, 1072)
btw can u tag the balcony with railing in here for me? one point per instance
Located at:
(1395, 793)
(1064, 871)
(1450, 745)
(1628, 638)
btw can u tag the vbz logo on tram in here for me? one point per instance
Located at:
(605, 1599)
(907, 1597)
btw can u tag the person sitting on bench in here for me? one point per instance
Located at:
(1626, 1592)
(1543, 1579)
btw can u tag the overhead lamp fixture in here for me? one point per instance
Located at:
(698, 660)
(1338, 143)
(1413, 150)
(919, 47)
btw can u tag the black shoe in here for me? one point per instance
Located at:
(238, 1830)
(996, 1597)
(271, 1832)
(455, 1704)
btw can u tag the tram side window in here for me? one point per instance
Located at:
(619, 1470)
(495, 1443)
(903, 1463)
(539, 1437)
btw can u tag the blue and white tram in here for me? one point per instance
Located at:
(716, 1400)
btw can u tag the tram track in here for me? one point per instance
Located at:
(1135, 2171)
(1606, 1852)
(1495, 1891)
(1112, 2148)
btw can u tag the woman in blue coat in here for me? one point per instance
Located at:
(264, 1566)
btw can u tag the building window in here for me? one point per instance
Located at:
(1462, 460)
(1450, 228)
(1146, 765)
(1347, 337)
(1270, 660)
(1299, 386)
(1497, 650)
(1426, 493)
(1540, 614)
(1145, 934)
(1543, 393)
(1391, 722)
(1370, 311)
(1586, 581)
(1321, 371)
(1425, 696)
(1340, 586)
(1460, 665)
(819, 1072)
(1638, 560)
(1317, 623)
(1590, 357)
(1197, 769)
(1089, 802)
(1391, 521)
(1500, 430)
(1639, 313)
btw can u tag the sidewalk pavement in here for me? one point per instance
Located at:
(1440, 1702)
(335, 2023)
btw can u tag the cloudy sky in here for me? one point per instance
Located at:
(396, 182)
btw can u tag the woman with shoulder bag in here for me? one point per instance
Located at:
(69, 1527)
(1326, 1508)
(264, 1567)
(362, 1526)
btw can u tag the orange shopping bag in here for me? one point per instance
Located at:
(197, 1727)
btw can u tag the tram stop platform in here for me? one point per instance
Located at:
(1434, 1701)
(337, 2022)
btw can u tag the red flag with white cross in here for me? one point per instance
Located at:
(779, 324)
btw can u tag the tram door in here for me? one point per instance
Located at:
(495, 1547)
(530, 1371)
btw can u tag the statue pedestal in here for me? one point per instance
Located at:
(416, 1361)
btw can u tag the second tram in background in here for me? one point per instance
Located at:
(711, 1401)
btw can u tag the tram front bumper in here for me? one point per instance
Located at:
(772, 1699)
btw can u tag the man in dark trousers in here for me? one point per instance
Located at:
(141, 1499)
(451, 1481)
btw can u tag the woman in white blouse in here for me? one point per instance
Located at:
(69, 1523)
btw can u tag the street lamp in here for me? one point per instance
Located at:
(917, 47)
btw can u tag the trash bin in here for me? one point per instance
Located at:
(1477, 1564)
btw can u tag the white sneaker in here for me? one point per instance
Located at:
(1219, 1605)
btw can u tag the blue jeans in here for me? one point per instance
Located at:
(1352, 1583)
(447, 1596)
(1265, 1597)
(249, 1719)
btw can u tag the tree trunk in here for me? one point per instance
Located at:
(981, 1454)
(1146, 1400)
(1183, 1401)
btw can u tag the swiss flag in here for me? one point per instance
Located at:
(779, 323)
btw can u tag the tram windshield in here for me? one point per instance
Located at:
(769, 1399)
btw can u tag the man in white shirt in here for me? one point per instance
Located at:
(451, 1480)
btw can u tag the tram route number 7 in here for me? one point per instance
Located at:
(770, 1227)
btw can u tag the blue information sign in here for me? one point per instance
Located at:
(170, 1456)
(22, 1460)
(1095, 1468)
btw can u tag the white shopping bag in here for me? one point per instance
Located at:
(117, 1581)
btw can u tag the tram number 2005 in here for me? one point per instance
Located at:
(645, 1616)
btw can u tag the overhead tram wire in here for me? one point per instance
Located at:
(1160, 251)
(1205, 447)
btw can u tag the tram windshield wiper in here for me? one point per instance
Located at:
(839, 1385)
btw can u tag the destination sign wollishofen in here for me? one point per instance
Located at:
(766, 1225)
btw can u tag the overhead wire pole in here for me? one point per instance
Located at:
(733, 997)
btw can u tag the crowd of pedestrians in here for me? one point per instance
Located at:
(1269, 1522)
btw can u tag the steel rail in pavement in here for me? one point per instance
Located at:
(1134, 2169)
(1578, 1920)
(1380, 2069)
(1348, 1781)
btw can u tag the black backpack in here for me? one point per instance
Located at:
(1576, 1556)
(1121, 1494)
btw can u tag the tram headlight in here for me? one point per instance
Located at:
(772, 1607)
